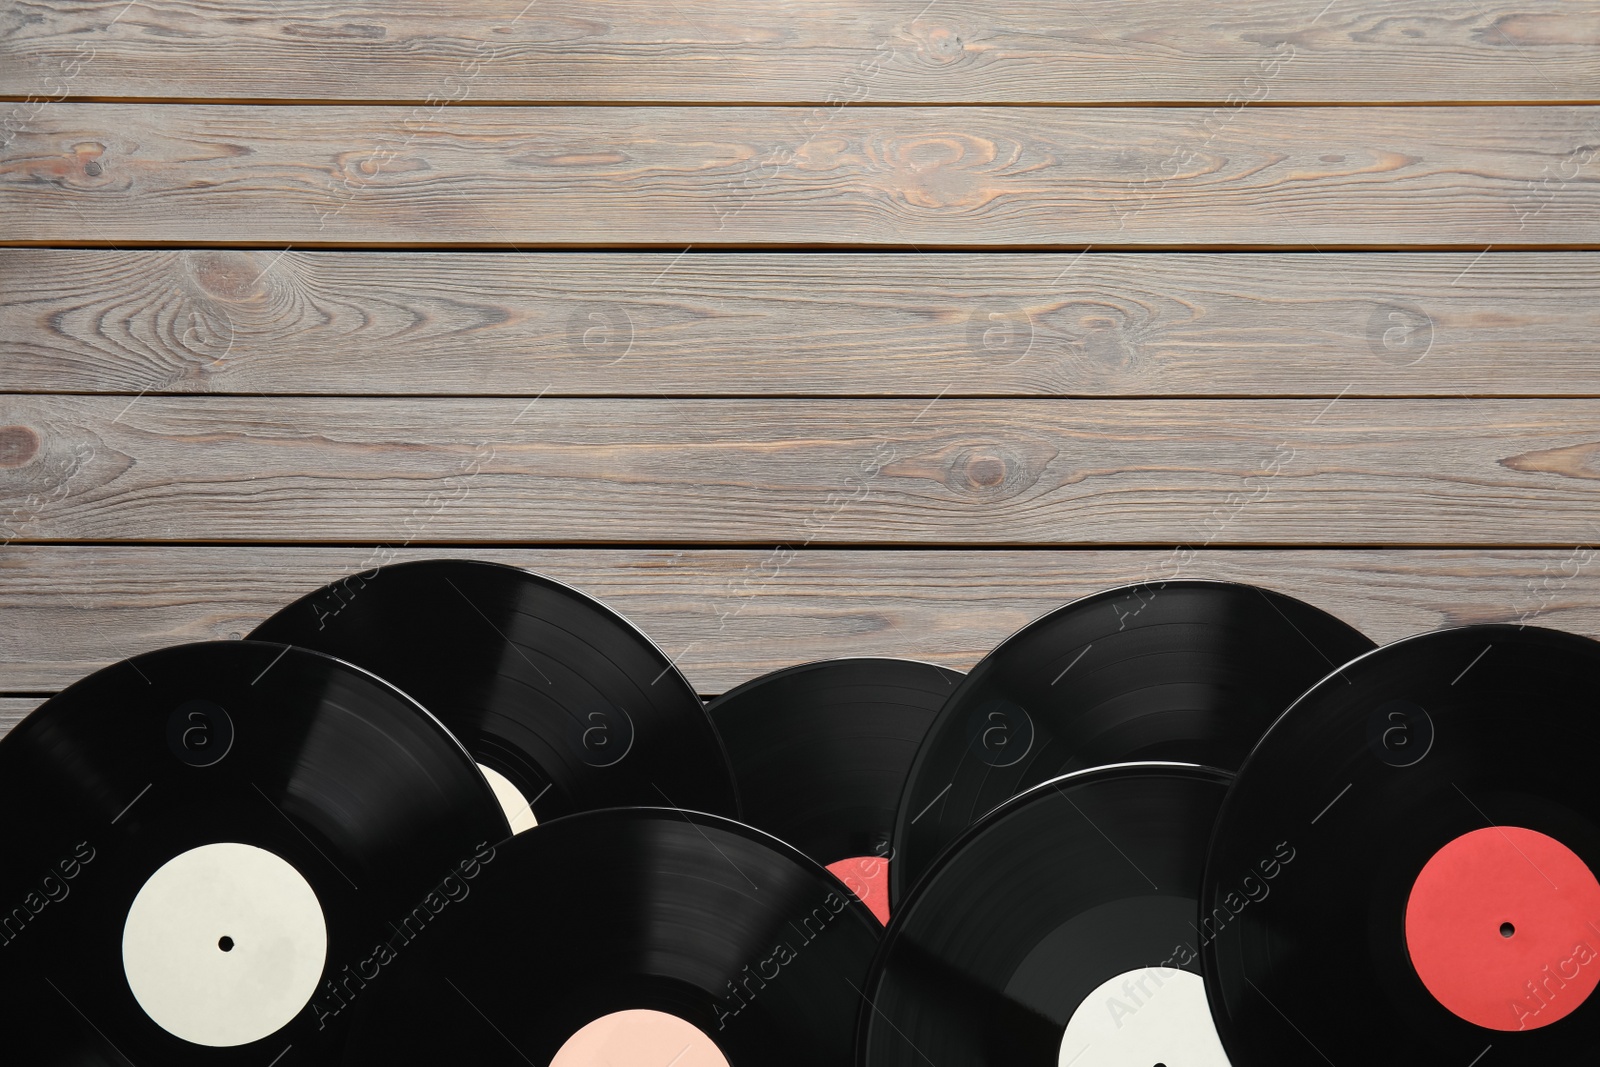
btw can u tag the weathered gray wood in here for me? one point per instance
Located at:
(671, 177)
(77, 320)
(14, 709)
(730, 614)
(822, 50)
(950, 471)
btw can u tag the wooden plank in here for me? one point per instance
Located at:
(946, 471)
(819, 51)
(13, 709)
(203, 321)
(730, 614)
(674, 177)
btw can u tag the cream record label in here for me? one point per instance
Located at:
(217, 835)
(565, 704)
(1150, 1015)
(224, 944)
(1061, 929)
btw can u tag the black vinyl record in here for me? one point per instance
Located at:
(627, 911)
(203, 840)
(1059, 929)
(565, 699)
(820, 753)
(1191, 671)
(1433, 808)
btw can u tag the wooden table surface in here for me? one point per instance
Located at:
(795, 330)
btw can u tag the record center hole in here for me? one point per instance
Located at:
(226, 943)
(1506, 929)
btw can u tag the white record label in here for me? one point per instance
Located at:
(1146, 1018)
(224, 944)
(519, 813)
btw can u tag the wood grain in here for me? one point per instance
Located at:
(13, 709)
(722, 50)
(216, 321)
(673, 177)
(947, 471)
(728, 615)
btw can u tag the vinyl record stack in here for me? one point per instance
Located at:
(456, 812)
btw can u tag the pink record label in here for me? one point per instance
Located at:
(639, 1036)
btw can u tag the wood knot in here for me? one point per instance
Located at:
(1527, 29)
(984, 471)
(18, 445)
(1102, 347)
(232, 276)
(943, 45)
(1573, 461)
(1102, 339)
(943, 172)
(88, 155)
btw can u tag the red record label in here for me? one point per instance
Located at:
(1503, 928)
(868, 879)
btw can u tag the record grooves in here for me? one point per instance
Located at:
(1191, 671)
(1060, 928)
(215, 832)
(1438, 797)
(565, 703)
(820, 753)
(639, 909)
(1177, 824)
